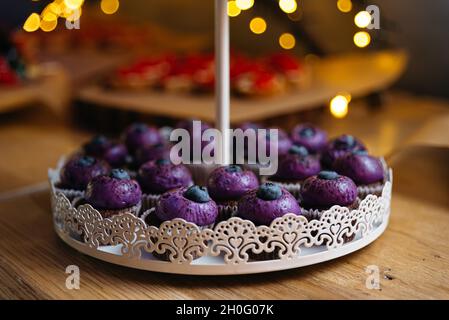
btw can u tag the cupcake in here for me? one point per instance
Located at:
(150, 153)
(227, 185)
(139, 135)
(159, 176)
(77, 172)
(365, 170)
(114, 194)
(328, 189)
(264, 204)
(193, 204)
(294, 167)
(312, 138)
(338, 148)
(325, 190)
(283, 144)
(114, 153)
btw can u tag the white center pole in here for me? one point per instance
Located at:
(222, 90)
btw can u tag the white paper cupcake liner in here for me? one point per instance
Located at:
(149, 201)
(226, 211)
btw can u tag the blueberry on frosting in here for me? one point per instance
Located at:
(119, 174)
(328, 175)
(299, 150)
(197, 194)
(269, 191)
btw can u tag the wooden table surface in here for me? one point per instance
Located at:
(412, 255)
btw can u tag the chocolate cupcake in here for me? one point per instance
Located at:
(309, 136)
(294, 167)
(114, 194)
(365, 170)
(265, 204)
(159, 176)
(339, 147)
(227, 185)
(139, 135)
(114, 153)
(77, 172)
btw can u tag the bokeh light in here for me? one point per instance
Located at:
(362, 39)
(244, 4)
(362, 19)
(233, 10)
(109, 6)
(288, 6)
(32, 23)
(287, 41)
(344, 5)
(339, 106)
(258, 25)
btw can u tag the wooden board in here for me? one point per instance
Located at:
(358, 74)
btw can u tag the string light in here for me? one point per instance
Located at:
(258, 25)
(32, 23)
(109, 6)
(288, 6)
(287, 41)
(244, 4)
(362, 39)
(344, 5)
(339, 106)
(233, 10)
(362, 19)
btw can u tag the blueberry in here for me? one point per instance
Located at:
(120, 174)
(345, 142)
(233, 168)
(328, 175)
(299, 150)
(197, 194)
(162, 162)
(307, 132)
(86, 161)
(360, 152)
(269, 191)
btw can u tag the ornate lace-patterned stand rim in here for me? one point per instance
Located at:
(224, 269)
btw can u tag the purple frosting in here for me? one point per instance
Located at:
(158, 176)
(339, 147)
(138, 135)
(79, 170)
(321, 193)
(312, 138)
(263, 212)
(106, 192)
(230, 183)
(294, 167)
(284, 142)
(173, 204)
(116, 155)
(150, 153)
(362, 168)
(97, 146)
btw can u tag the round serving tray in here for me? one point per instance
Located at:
(290, 241)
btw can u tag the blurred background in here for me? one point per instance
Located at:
(71, 68)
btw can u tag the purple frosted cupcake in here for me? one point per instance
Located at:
(77, 172)
(114, 194)
(294, 167)
(159, 176)
(328, 188)
(139, 135)
(262, 206)
(227, 185)
(339, 147)
(114, 153)
(154, 152)
(309, 136)
(365, 170)
(284, 143)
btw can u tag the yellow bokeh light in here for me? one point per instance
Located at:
(73, 4)
(339, 106)
(48, 26)
(109, 6)
(258, 25)
(233, 10)
(74, 15)
(32, 23)
(362, 39)
(344, 5)
(288, 6)
(362, 19)
(287, 41)
(244, 4)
